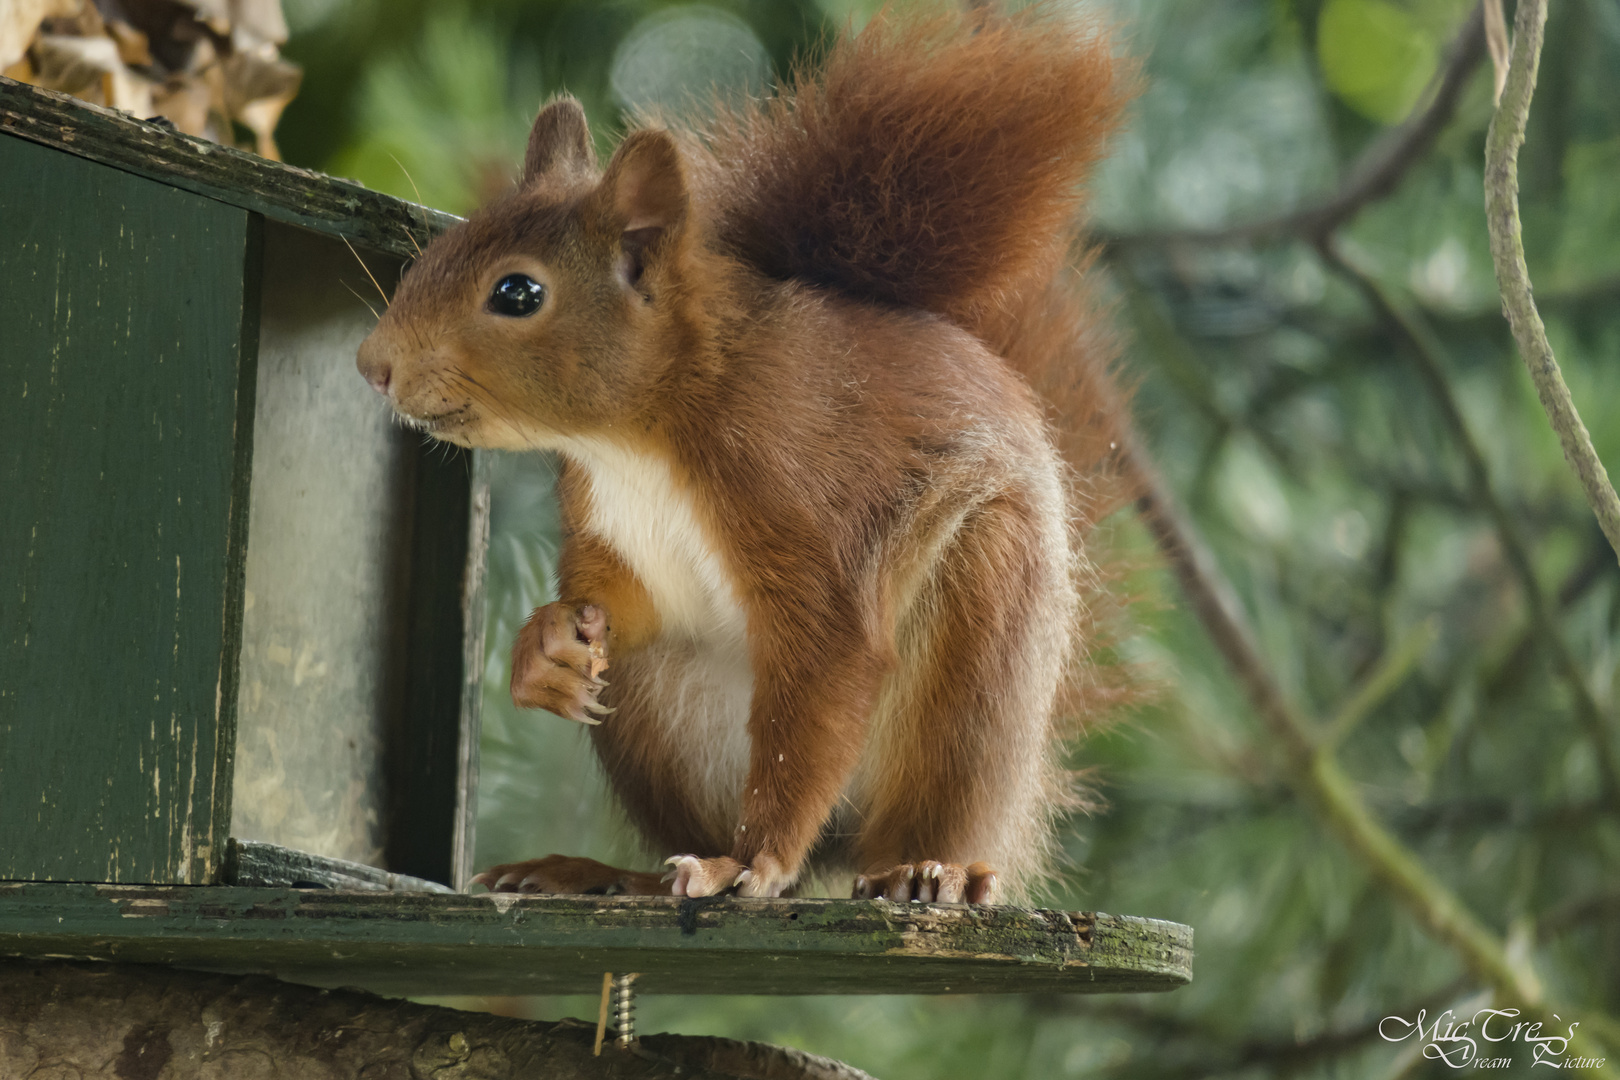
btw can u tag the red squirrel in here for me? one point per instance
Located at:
(822, 560)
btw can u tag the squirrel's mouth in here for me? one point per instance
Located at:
(441, 425)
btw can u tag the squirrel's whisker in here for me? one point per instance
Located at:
(367, 269)
(493, 408)
(363, 300)
(418, 192)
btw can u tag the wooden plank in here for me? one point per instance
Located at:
(280, 192)
(129, 312)
(363, 640)
(510, 944)
(328, 543)
(248, 862)
(433, 751)
(474, 612)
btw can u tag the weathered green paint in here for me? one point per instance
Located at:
(510, 944)
(280, 192)
(124, 459)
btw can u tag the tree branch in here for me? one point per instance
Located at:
(1373, 176)
(62, 1018)
(1314, 773)
(1502, 144)
(1214, 601)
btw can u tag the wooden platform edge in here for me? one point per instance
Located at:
(509, 944)
(281, 192)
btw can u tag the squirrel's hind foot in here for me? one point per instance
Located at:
(929, 882)
(692, 876)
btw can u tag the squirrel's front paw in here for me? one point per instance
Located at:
(558, 660)
(692, 876)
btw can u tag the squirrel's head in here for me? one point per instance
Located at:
(554, 310)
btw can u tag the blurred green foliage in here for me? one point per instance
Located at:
(1290, 419)
(1378, 55)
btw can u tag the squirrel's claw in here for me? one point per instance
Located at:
(929, 882)
(558, 660)
(693, 876)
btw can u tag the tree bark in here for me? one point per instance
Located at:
(61, 1020)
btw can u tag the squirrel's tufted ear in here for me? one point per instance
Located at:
(645, 185)
(559, 140)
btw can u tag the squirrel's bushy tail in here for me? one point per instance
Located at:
(931, 162)
(936, 162)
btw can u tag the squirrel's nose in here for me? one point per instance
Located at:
(374, 366)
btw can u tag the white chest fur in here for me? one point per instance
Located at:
(650, 520)
(698, 672)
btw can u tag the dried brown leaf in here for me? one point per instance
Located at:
(19, 22)
(261, 19)
(185, 101)
(206, 65)
(133, 47)
(90, 68)
(258, 86)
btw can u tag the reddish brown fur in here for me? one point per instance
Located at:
(933, 163)
(826, 340)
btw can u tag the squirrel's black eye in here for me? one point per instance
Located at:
(516, 295)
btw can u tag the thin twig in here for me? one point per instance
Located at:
(1496, 41)
(1573, 913)
(1215, 603)
(1375, 174)
(1385, 680)
(602, 1012)
(1502, 144)
(1426, 348)
(1587, 573)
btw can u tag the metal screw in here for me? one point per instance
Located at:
(624, 1010)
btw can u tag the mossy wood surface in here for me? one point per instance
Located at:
(280, 192)
(128, 319)
(507, 944)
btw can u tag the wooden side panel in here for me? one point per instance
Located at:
(127, 317)
(357, 732)
(433, 766)
(474, 609)
(327, 545)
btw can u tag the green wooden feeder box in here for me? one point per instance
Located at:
(241, 625)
